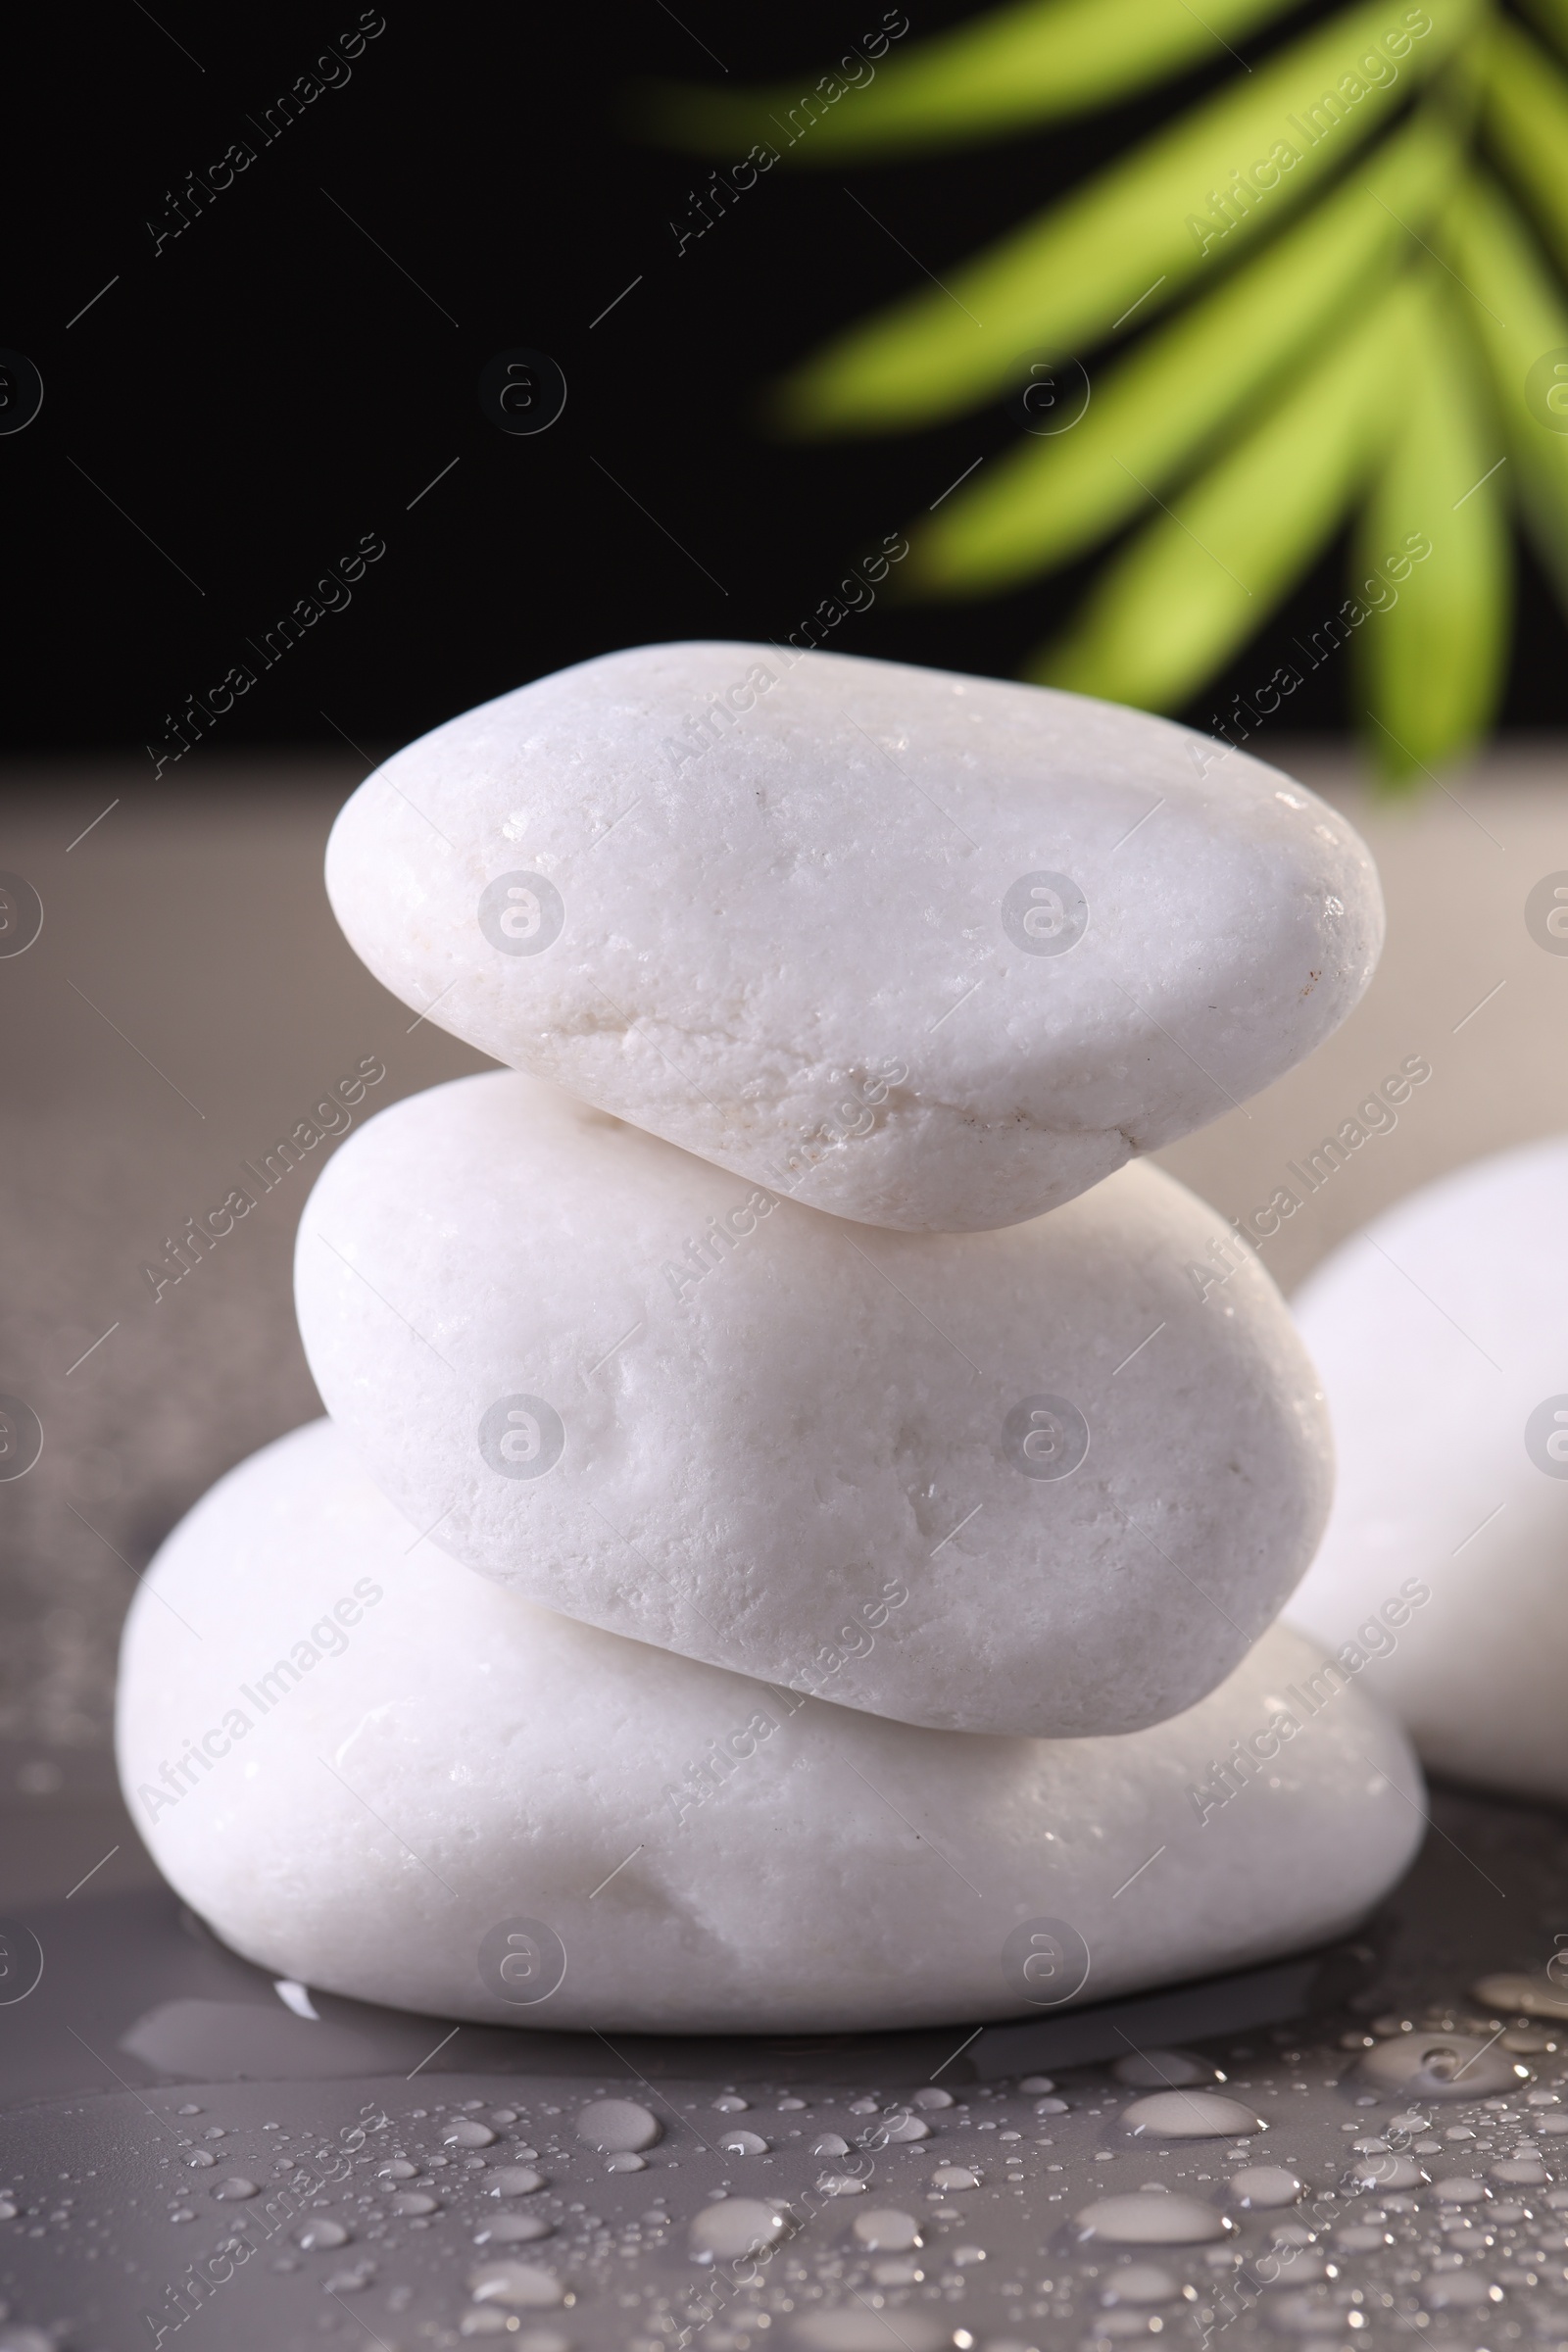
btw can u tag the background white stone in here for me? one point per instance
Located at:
(1440, 1332)
(747, 1472)
(736, 945)
(462, 1759)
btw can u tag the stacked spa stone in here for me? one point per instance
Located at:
(799, 1529)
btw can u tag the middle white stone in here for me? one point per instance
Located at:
(1052, 1480)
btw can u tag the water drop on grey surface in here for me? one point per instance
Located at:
(511, 2180)
(1146, 2220)
(467, 2133)
(1191, 2115)
(739, 2225)
(737, 2142)
(413, 2201)
(520, 2285)
(321, 2230)
(1265, 2185)
(859, 2328)
(617, 2127)
(236, 2187)
(512, 2230)
(1139, 2283)
(887, 2231)
(1438, 2066)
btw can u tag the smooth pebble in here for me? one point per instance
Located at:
(937, 952)
(524, 1757)
(1438, 1583)
(595, 1368)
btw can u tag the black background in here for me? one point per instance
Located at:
(277, 381)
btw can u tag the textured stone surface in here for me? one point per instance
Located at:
(1025, 1481)
(467, 1785)
(1443, 1338)
(930, 951)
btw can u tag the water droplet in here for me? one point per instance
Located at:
(350, 2281)
(625, 2160)
(1140, 2220)
(199, 2159)
(1459, 2189)
(860, 2329)
(934, 2096)
(1389, 2171)
(830, 2144)
(1161, 2070)
(321, 2230)
(1191, 2115)
(1034, 2082)
(617, 2126)
(1139, 2283)
(467, 2133)
(903, 2128)
(736, 2142)
(512, 2230)
(1510, 1995)
(1263, 2185)
(1458, 2290)
(512, 2180)
(739, 2225)
(730, 2104)
(398, 2170)
(236, 2187)
(414, 2200)
(840, 2185)
(955, 2176)
(887, 2231)
(8, 2211)
(1438, 2066)
(1522, 2172)
(897, 2272)
(520, 2285)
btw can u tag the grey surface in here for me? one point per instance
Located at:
(112, 2162)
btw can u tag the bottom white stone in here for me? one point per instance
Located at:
(381, 1774)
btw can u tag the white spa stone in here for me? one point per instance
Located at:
(930, 951)
(1027, 1481)
(1442, 1334)
(420, 1789)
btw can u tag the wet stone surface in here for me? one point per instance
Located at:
(1408, 2183)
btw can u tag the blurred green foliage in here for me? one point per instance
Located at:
(1328, 292)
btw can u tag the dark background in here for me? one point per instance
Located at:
(277, 380)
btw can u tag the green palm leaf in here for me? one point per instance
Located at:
(1137, 232)
(1152, 413)
(1200, 579)
(1434, 569)
(1519, 322)
(1321, 333)
(1036, 62)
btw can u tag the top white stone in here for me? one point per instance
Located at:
(929, 951)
